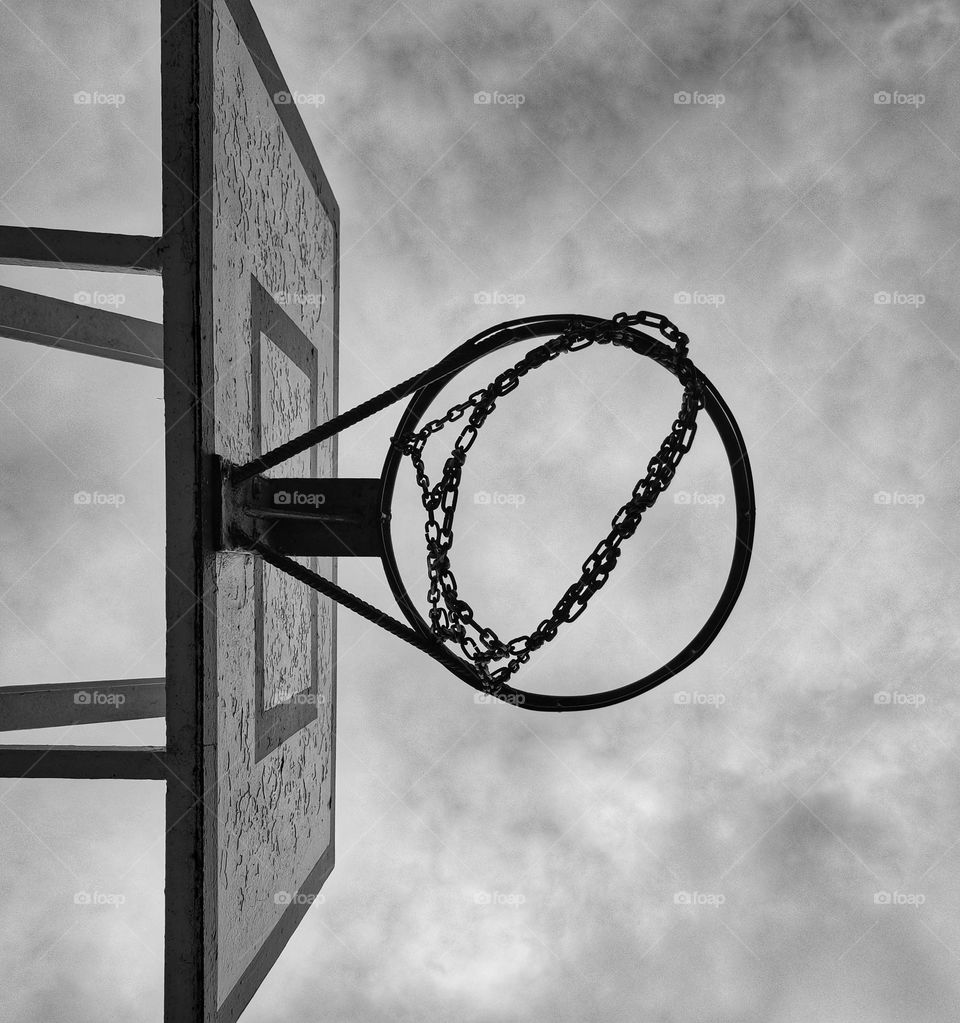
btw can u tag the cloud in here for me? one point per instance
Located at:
(798, 796)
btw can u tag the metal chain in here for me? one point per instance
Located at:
(451, 617)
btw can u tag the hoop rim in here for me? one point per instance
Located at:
(528, 329)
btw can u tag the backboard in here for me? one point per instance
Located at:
(250, 274)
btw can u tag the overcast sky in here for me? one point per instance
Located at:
(773, 836)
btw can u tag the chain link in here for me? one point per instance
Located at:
(451, 618)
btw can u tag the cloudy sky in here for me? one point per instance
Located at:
(773, 836)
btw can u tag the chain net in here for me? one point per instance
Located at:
(451, 617)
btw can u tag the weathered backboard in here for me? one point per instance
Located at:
(250, 273)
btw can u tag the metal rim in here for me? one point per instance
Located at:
(529, 329)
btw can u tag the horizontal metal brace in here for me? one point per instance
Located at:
(75, 327)
(81, 703)
(131, 762)
(80, 250)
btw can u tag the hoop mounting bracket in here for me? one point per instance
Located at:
(302, 517)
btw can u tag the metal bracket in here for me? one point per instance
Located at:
(303, 517)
